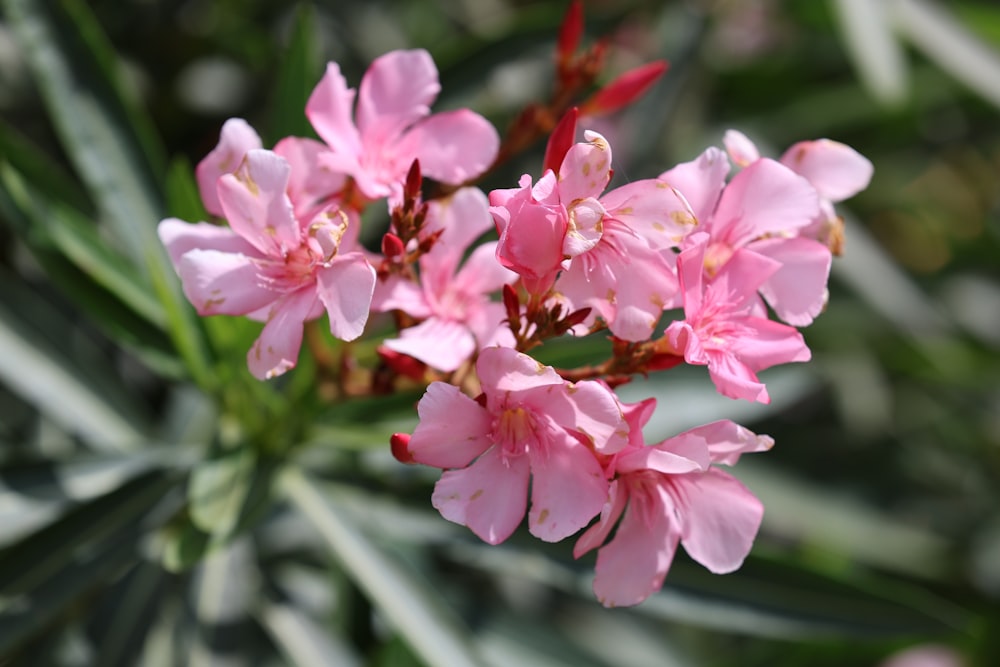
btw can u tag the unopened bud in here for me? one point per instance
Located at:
(392, 246)
(411, 190)
(624, 90)
(560, 141)
(400, 444)
(570, 32)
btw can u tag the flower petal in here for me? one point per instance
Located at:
(586, 170)
(489, 497)
(276, 350)
(329, 110)
(453, 428)
(798, 290)
(235, 139)
(309, 183)
(396, 91)
(653, 209)
(441, 344)
(765, 198)
(256, 205)
(223, 283)
(836, 170)
(633, 565)
(720, 519)
(454, 146)
(179, 237)
(345, 288)
(595, 536)
(700, 181)
(501, 369)
(568, 489)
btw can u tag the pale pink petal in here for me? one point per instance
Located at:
(727, 440)
(587, 407)
(329, 110)
(646, 284)
(765, 343)
(461, 218)
(765, 198)
(179, 237)
(236, 138)
(453, 428)
(654, 210)
(223, 283)
(675, 456)
(633, 565)
(256, 205)
(720, 519)
(742, 151)
(396, 91)
(310, 183)
(398, 293)
(737, 281)
(345, 288)
(836, 170)
(700, 181)
(482, 273)
(595, 536)
(798, 290)
(584, 227)
(489, 326)
(585, 170)
(568, 489)
(276, 350)
(502, 369)
(441, 344)
(453, 146)
(734, 379)
(489, 497)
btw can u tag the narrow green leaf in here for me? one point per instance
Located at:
(109, 144)
(218, 489)
(409, 604)
(184, 546)
(301, 69)
(46, 174)
(79, 395)
(303, 641)
(49, 572)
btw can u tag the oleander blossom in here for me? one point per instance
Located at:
(392, 126)
(268, 265)
(671, 493)
(529, 424)
(605, 250)
(452, 297)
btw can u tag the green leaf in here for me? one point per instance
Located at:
(74, 390)
(408, 603)
(184, 546)
(301, 69)
(42, 171)
(302, 640)
(46, 573)
(110, 145)
(218, 489)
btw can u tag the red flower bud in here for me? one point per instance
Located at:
(570, 31)
(392, 246)
(400, 443)
(403, 364)
(411, 190)
(560, 141)
(624, 90)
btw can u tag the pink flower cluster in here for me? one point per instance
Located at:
(718, 252)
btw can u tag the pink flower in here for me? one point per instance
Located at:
(669, 493)
(458, 316)
(530, 423)
(392, 126)
(724, 324)
(762, 209)
(309, 183)
(269, 265)
(609, 244)
(836, 170)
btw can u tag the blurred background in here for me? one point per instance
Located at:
(159, 507)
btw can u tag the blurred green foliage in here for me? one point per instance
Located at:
(159, 506)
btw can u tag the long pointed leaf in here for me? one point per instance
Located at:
(409, 605)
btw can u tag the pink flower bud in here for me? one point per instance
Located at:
(624, 90)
